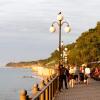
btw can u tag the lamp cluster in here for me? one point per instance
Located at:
(60, 17)
(64, 53)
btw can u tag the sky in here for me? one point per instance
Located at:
(24, 26)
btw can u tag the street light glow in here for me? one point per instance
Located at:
(60, 17)
(67, 29)
(66, 49)
(62, 43)
(52, 29)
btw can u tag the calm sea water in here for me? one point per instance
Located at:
(12, 80)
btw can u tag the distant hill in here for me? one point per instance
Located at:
(22, 64)
(86, 49)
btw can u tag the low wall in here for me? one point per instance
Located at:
(42, 71)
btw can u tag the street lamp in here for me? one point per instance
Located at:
(65, 55)
(60, 22)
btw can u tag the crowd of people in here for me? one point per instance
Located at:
(71, 75)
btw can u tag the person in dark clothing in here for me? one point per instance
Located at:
(60, 77)
(63, 77)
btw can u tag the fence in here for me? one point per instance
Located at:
(46, 90)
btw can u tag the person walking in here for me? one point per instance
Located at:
(86, 75)
(60, 77)
(76, 74)
(81, 74)
(65, 76)
(71, 71)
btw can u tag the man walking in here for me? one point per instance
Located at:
(65, 76)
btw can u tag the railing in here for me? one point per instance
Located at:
(46, 90)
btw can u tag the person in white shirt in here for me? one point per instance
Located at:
(76, 74)
(71, 72)
(87, 75)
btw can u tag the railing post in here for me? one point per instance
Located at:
(41, 86)
(50, 89)
(47, 90)
(35, 89)
(23, 95)
(52, 86)
(56, 84)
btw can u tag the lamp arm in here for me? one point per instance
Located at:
(55, 22)
(64, 22)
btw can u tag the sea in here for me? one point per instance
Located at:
(13, 80)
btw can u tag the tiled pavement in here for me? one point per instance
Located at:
(81, 92)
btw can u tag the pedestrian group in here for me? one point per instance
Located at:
(69, 76)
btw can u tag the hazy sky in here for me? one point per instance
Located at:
(24, 26)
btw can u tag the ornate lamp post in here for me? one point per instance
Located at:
(60, 22)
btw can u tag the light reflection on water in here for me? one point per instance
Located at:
(12, 81)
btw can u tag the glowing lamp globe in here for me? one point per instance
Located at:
(66, 49)
(67, 29)
(59, 17)
(62, 43)
(57, 49)
(52, 29)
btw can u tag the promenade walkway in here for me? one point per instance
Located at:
(81, 92)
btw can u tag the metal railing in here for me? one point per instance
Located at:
(46, 90)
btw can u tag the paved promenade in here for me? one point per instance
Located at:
(81, 92)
